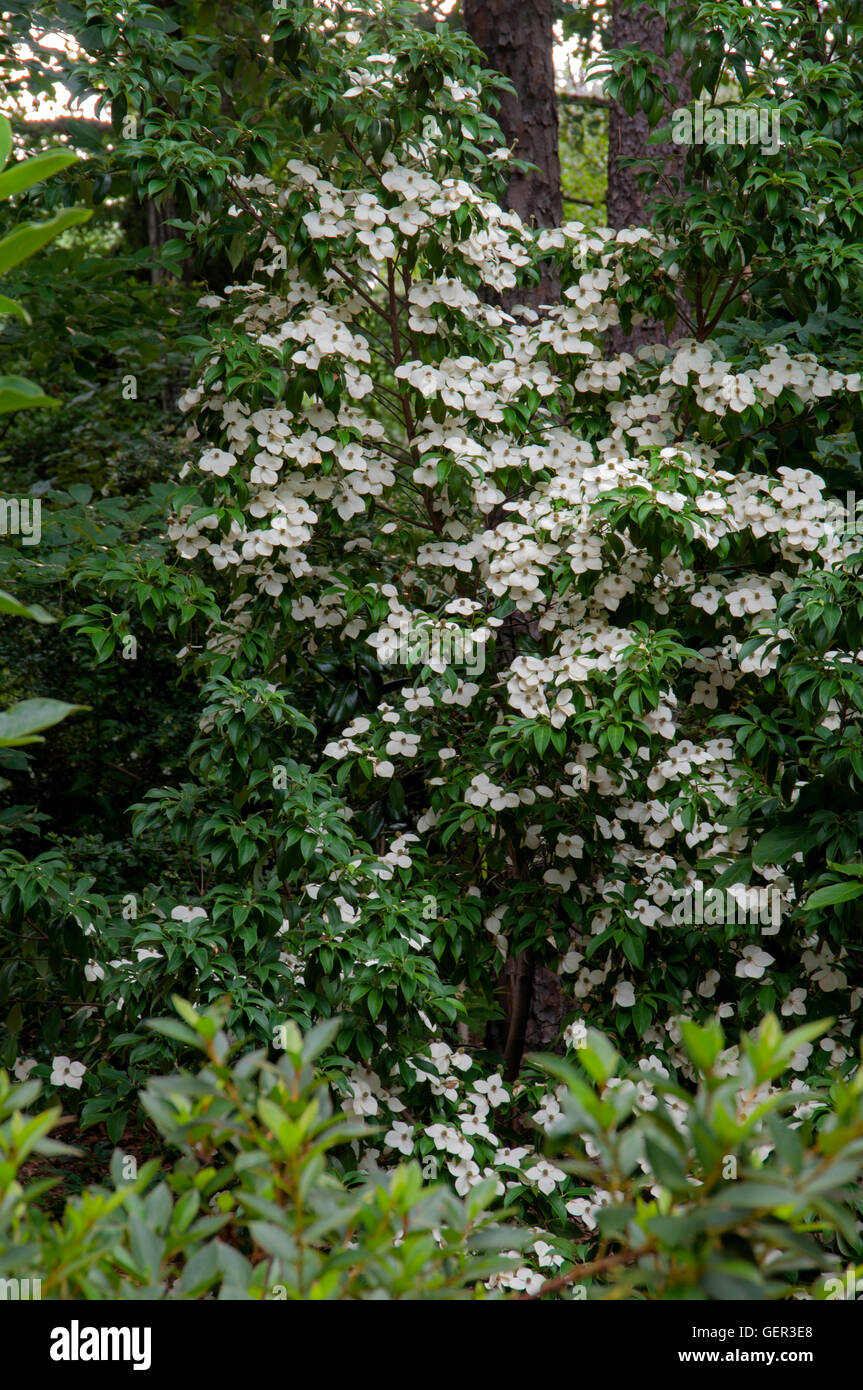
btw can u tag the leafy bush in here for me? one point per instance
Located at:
(737, 1189)
(264, 1203)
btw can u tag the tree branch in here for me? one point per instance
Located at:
(623, 1257)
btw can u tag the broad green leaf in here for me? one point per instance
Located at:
(20, 723)
(665, 1165)
(320, 1037)
(10, 306)
(13, 606)
(25, 241)
(201, 1272)
(833, 893)
(856, 870)
(599, 1058)
(17, 393)
(170, 1028)
(703, 1044)
(778, 846)
(29, 171)
(274, 1241)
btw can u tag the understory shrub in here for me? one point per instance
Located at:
(265, 1201)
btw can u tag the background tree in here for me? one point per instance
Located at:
(517, 39)
(630, 196)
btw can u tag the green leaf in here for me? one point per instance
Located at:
(274, 1240)
(13, 606)
(833, 893)
(201, 1272)
(599, 1058)
(855, 869)
(541, 738)
(26, 240)
(703, 1044)
(778, 846)
(17, 393)
(20, 723)
(633, 949)
(170, 1028)
(29, 171)
(10, 306)
(733, 1288)
(319, 1038)
(667, 1166)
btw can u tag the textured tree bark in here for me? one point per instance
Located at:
(626, 204)
(520, 979)
(517, 39)
(548, 1006)
(158, 232)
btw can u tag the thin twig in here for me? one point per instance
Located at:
(623, 1257)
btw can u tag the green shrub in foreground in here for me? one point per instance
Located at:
(738, 1188)
(742, 1189)
(252, 1208)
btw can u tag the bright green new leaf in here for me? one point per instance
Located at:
(17, 393)
(11, 306)
(26, 240)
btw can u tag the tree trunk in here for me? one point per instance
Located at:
(548, 1006)
(626, 204)
(520, 979)
(517, 39)
(158, 232)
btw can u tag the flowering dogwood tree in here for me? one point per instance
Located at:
(554, 597)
